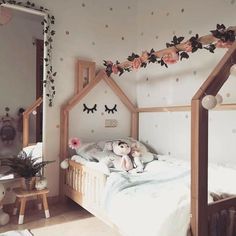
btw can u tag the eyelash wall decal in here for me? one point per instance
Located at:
(112, 110)
(94, 108)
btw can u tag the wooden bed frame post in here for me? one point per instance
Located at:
(200, 210)
(199, 169)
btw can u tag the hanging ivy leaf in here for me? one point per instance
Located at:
(211, 48)
(132, 57)
(184, 55)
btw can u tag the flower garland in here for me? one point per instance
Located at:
(48, 43)
(176, 50)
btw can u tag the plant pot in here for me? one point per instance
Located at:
(29, 183)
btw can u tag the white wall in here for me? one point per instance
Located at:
(81, 32)
(158, 21)
(18, 69)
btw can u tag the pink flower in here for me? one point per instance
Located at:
(144, 56)
(221, 44)
(171, 57)
(136, 63)
(187, 47)
(74, 143)
(115, 69)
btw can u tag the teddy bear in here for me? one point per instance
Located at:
(4, 217)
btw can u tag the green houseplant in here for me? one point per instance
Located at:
(25, 166)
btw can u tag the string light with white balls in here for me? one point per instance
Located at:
(209, 101)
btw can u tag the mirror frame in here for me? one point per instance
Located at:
(48, 31)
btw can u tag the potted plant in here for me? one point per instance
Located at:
(25, 166)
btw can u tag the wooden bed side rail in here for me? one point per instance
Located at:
(26, 115)
(199, 143)
(224, 204)
(87, 184)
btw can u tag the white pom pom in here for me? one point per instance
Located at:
(219, 98)
(233, 70)
(64, 164)
(209, 102)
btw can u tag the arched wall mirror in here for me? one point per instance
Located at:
(23, 71)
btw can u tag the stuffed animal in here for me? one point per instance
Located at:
(122, 149)
(4, 217)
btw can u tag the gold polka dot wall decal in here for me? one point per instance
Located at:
(67, 32)
(92, 131)
(174, 32)
(152, 13)
(122, 38)
(83, 4)
(156, 37)
(227, 95)
(167, 14)
(102, 113)
(147, 141)
(106, 26)
(177, 79)
(147, 79)
(232, 1)
(182, 10)
(169, 153)
(148, 94)
(186, 116)
(194, 72)
(57, 126)
(93, 43)
(61, 59)
(105, 91)
(156, 126)
(111, 9)
(190, 31)
(129, 7)
(234, 131)
(141, 33)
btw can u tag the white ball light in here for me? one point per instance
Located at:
(209, 102)
(233, 70)
(219, 98)
(64, 164)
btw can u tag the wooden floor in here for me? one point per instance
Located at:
(66, 219)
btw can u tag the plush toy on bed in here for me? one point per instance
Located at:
(123, 150)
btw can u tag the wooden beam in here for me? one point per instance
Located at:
(199, 169)
(222, 107)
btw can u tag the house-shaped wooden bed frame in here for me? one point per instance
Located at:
(73, 183)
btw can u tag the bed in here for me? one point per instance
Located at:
(146, 203)
(191, 195)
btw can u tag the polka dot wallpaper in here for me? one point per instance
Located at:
(157, 22)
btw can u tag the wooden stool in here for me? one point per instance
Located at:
(22, 197)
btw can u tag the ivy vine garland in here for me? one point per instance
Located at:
(48, 31)
(221, 37)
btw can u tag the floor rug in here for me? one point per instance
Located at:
(17, 233)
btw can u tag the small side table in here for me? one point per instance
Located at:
(22, 197)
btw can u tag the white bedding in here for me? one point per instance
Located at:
(157, 202)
